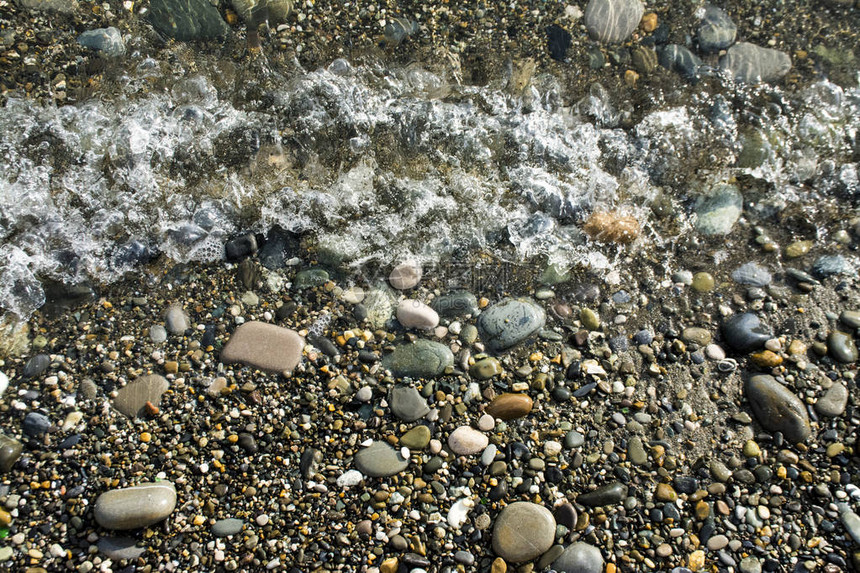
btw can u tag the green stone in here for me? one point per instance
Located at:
(417, 438)
(187, 20)
(310, 278)
(10, 451)
(703, 282)
(798, 249)
(589, 318)
(486, 368)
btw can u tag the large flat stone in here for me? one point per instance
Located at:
(135, 507)
(130, 399)
(421, 359)
(380, 460)
(265, 347)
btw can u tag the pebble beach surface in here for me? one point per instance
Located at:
(275, 427)
(691, 405)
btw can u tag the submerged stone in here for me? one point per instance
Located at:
(510, 322)
(187, 20)
(749, 63)
(717, 213)
(716, 31)
(612, 21)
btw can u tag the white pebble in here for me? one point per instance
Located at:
(262, 519)
(349, 479)
(459, 512)
(4, 382)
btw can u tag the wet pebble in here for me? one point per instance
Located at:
(380, 460)
(834, 401)
(510, 322)
(135, 507)
(523, 531)
(745, 332)
(612, 21)
(749, 63)
(421, 359)
(716, 30)
(776, 408)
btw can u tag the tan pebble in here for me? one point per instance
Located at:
(649, 22)
(389, 565)
(766, 359)
(613, 227)
(665, 492)
(499, 566)
(696, 560)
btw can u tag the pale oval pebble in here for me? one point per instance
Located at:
(349, 479)
(715, 352)
(4, 383)
(435, 446)
(465, 441)
(71, 420)
(135, 507)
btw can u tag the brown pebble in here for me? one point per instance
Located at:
(612, 227)
(499, 566)
(389, 565)
(509, 406)
(665, 492)
(766, 359)
(649, 22)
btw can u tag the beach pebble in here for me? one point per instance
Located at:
(749, 63)
(612, 21)
(716, 30)
(133, 397)
(834, 401)
(408, 404)
(405, 276)
(579, 558)
(118, 548)
(510, 406)
(745, 332)
(465, 441)
(135, 507)
(416, 314)
(420, 359)
(380, 460)
(523, 531)
(229, 526)
(776, 408)
(175, 320)
(265, 347)
(510, 322)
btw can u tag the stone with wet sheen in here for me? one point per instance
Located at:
(10, 451)
(135, 507)
(118, 548)
(612, 21)
(265, 347)
(608, 494)
(749, 63)
(777, 408)
(834, 401)
(716, 31)
(510, 406)
(523, 532)
(380, 460)
(132, 398)
(745, 332)
(510, 322)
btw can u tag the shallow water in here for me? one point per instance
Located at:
(372, 164)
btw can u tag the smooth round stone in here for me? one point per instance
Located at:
(612, 21)
(364, 394)
(510, 406)
(523, 532)
(776, 408)
(175, 320)
(590, 319)
(716, 31)
(456, 304)
(417, 438)
(608, 494)
(841, 347)
(750, 565)
(4, 382)
(157, 333)
(718, 212)
(510, 322)
(405, 276)
(415, 314)
(579, 558)
(834, 401)
(119, 548)
(752, 274)
(421, 359)
(749, 63)
(745, 332)
(469, 334)
(717, 542)
(10, 451)
(678, 59)
(465, 441)
(851, 522)
(697, 335)
(489, 455)
(36, 424)
(380, 460)
(464, 557)
(486, 368)
(135, 507)
(6, 553)
(715, 352)
(486, 423)
(665, 492)
(310, 278)
(225, 527)
(573, 439)
(408, 404)
(703, 282)
(36, 366)
(132, 398)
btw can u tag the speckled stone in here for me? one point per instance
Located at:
(716, 31)
(265, 347)
(523, 532)
(175, 320)
(776, 408)
(749, 63)
(510, 322)
(135, 507)
(421, 359)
